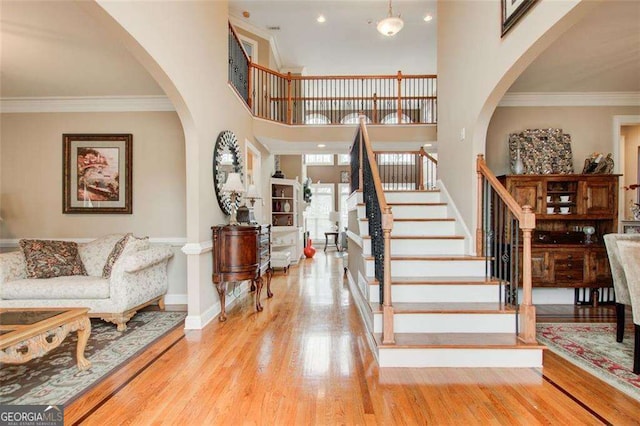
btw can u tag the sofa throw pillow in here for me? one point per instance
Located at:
(94, 254)
(128, 244)
(48, 258)
(114, 255)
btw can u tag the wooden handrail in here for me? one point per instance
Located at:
(527, 223)
(341, 77)
(387, 226)
(428, 156)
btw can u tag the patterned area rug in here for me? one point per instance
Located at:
(55, 379)
(593, 347)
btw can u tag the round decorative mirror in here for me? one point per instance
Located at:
(226, 159)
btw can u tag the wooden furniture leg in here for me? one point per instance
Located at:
(84, 330)
(326, 240)
(636, 350)
(259, 283)
(619, 322)
(268, 274)
(221, 292)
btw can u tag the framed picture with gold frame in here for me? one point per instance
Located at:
(513, 11)
(97, 173)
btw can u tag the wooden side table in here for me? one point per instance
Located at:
(335, 239)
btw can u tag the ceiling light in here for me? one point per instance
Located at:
(321, 19)
(321, 145)
(391, 25)
(428, 18)
(427, 145)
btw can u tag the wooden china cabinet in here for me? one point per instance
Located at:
(563, 255)
(241, 252)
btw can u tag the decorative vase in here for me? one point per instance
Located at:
(518, 166)
(309, 250)
(287, 206)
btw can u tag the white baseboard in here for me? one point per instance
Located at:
(198, 322)
(175, 299)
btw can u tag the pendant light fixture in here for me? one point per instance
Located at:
(391, 25)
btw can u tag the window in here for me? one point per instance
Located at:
(316, 119)
(353, 118)
(344, 159)
(318, 212)
(318, 159)
(393, 119)
(395, 158)
(250, 46)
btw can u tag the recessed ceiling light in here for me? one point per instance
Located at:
(321, 145)
(246, 14)
(428, 18)
(321, 19)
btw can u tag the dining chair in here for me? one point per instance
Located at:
(619, 278)
(630, 260)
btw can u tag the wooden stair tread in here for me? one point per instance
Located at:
(421, 237)
(456, 340)
(447, 308)
(409, 191)
(417, 204)
(440, 257)
(439, 280)
(439, 219)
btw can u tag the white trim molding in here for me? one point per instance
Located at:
(86, 104)
(175, 299)
(197, 248)
(13, 242)
(551, 99)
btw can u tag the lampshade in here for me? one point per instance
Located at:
(233, 184)
(252, 192)
(391, 25)
(334, 216)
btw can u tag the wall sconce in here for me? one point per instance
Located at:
(235, 188)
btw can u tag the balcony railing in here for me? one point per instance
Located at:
(296, 99)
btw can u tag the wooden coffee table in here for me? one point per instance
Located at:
(32, 332)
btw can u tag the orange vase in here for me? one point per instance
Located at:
(309, 250)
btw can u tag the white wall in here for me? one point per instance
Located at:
(32, 174)
(183, 45)
(475, 68)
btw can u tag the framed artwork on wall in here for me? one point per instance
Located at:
(512, 11)
(97, 173)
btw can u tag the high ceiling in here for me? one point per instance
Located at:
(55, 49)
(348, 42)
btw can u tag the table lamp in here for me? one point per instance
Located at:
(234, 187)
(334, 217)
(251, 196)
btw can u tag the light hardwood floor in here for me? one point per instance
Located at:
(304, 360)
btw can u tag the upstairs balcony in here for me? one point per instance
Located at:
(317, 100)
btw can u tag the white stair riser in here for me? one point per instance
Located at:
(426, 211)
(431, 268)
(421, 246)
(448, 323)
(434, 293)
(435, 229)
(419, 212)
(415, 197)
(460, 357)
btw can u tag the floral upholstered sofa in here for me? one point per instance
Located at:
(114, 276)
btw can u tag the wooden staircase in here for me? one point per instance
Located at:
(446, 312)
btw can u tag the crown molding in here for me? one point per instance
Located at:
(548, 99)
(86, 104)
(236, 21)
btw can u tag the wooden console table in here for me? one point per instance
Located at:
(241, 252)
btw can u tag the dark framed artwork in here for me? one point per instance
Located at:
(97, 173)
(512, 11)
